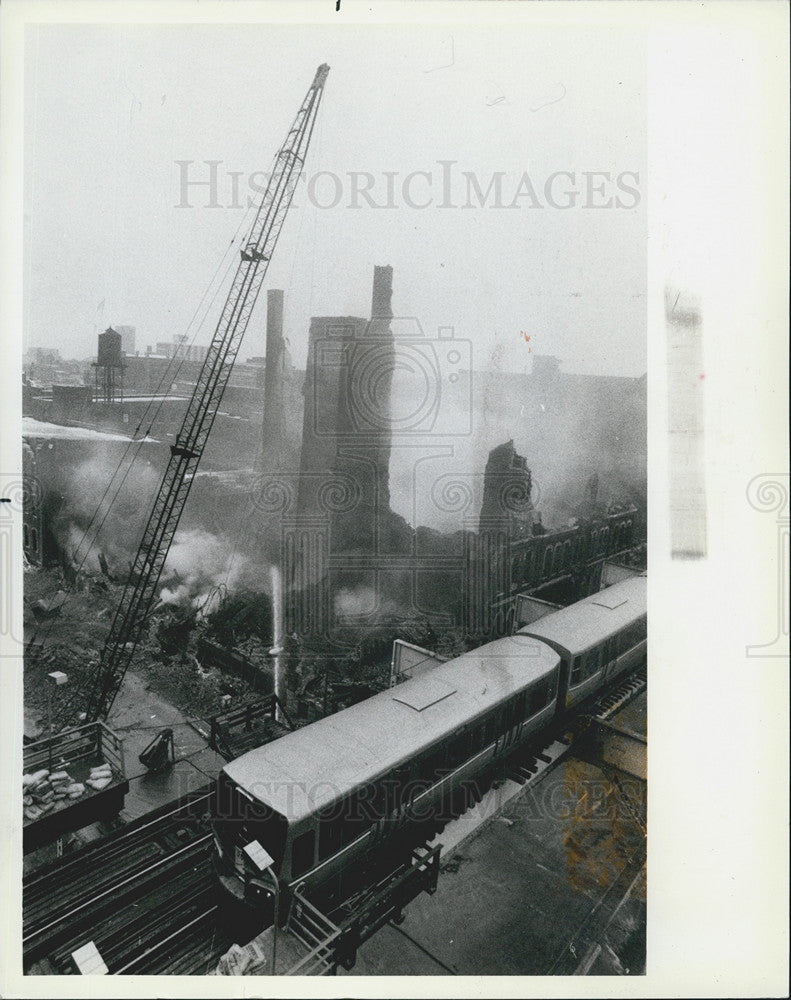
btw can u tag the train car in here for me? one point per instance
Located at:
(325, 798)
(597, 639)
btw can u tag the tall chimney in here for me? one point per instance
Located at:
(381, 307)
(274, 426)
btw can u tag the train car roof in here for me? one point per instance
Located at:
(583, 625)
(313, 766)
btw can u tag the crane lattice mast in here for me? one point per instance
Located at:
(185, 453)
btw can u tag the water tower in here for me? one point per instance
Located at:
(109, 367)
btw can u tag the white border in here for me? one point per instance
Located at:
(718, 210)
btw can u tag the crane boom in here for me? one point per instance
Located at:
(185, 453)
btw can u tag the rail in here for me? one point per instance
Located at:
(159, 945)
(419, 874)
(131, 880)
(240, 728)
(91, 740)
(317, 932)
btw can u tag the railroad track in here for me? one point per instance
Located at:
(144, 896)
(606, 705)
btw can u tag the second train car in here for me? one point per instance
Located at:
(325, 799)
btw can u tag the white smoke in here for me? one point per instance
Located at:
(102, 511)
(352, 604)
(200, 566)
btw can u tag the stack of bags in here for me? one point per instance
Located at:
(100, 777)
(65, 786)
(43, 791)
(37, 794)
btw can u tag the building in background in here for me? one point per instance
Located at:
(127, 339)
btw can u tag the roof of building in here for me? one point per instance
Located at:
(312, 767)
(32, 428)
(583, 625)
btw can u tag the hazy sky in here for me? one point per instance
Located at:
(111, 109)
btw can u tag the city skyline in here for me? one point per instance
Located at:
(529, 155)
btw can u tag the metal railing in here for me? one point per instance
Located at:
(317, 932)
(91, 740)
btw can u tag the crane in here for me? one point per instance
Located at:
(186, 451)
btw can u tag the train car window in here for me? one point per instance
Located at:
(244, 818)
(538, 697)
(435, 760)
(302, 852)
(457, 749)
(401, 777)
(389, 790)
(25, 541)
(489, 729)
(329, 837)
(353, 819)
(590, 664)
(365, 804)
(484, 733)
(576, 669)
(375, 803)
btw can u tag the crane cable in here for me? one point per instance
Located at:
(227, 261)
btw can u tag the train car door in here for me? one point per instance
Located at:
(512, 719)
(563, 685)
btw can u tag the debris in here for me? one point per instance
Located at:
(243, 961)
(103, 565)
(48, 607)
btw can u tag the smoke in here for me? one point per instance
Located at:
(352, 604)
(199, 564)
(86, 522)
(83, 478)
(567, 428)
